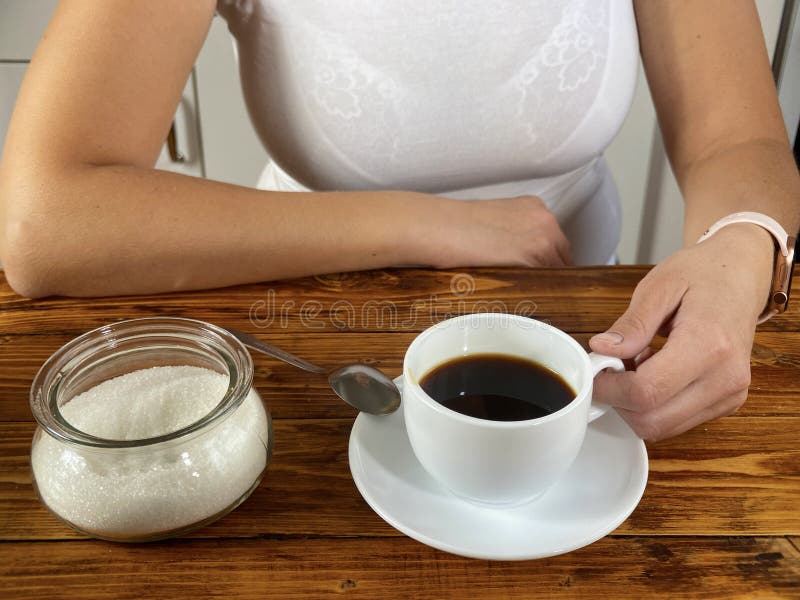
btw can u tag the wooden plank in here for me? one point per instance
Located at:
(735, 476)
(371, 301)
(365, 568)
(578, 300)
(318, 301)
(291, 393)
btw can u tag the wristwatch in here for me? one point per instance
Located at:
(784, 257)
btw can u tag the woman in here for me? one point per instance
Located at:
(498, 102)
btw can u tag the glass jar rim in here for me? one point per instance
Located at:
(45, 386)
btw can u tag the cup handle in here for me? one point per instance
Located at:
(599, 363)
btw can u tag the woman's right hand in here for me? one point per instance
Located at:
(509, 232)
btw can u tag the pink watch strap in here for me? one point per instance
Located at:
(768, 223)
(781, 237)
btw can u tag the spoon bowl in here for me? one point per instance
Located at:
(365, 388)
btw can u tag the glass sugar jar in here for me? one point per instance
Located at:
(148, 428)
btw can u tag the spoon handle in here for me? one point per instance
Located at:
(270, 350)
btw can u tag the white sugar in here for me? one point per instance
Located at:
(136, 493)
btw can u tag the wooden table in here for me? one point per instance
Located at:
(720, 516)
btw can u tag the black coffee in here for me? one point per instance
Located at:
(497, 387)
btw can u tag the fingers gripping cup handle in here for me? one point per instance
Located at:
(601, 362)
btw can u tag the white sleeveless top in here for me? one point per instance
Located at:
(464, 98)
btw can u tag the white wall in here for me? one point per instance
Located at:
(232, 151)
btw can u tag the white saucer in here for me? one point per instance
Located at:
(598, 493)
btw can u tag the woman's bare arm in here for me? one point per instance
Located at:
(83, 213)
(708, 71)
(712, 85)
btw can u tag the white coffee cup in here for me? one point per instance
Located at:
(499, 463)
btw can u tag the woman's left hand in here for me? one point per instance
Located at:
(705, 299)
